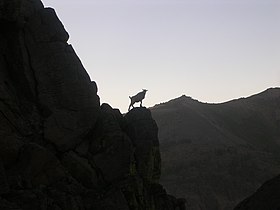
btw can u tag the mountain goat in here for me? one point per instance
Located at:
(137, 98)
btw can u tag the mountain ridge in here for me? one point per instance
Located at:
(272, 91)
(238, 138)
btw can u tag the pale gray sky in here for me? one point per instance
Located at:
(211, 50)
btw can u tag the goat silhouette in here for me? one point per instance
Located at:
(137, 98)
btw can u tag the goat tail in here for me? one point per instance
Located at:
(130, 97)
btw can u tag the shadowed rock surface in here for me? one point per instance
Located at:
(216, 155)
(266, 197)
(59, 149)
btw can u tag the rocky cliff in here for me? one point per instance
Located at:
(59, 149)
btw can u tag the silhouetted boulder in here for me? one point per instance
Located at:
(112, 150)
(143, 131)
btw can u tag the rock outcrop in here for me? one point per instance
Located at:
(59, 149)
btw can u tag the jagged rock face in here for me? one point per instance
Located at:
(42, 77)
(59, 149)
(143, 131)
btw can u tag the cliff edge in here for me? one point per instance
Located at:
(59, 149)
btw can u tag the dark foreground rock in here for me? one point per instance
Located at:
(59, 149)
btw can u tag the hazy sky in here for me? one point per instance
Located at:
(211, 50)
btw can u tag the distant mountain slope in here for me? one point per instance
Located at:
(266, 197)
(215, 155)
